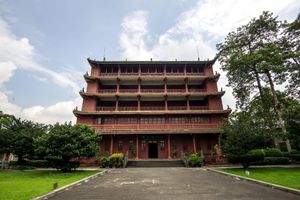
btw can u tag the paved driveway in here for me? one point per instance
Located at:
(169, 183)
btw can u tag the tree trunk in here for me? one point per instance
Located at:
(278, 111)
(265, 107)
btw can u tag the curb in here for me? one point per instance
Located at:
(66, 187)
(275, 186)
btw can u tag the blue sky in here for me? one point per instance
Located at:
(44, 44)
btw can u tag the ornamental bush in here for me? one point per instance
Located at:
(274, 161)
(245, 159)
(195, 160)
(114, 160)
(104, 162)
(273, 152)
(295, 155)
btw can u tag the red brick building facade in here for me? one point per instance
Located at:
(153, 109)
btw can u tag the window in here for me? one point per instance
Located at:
(130, 145)
(162, 145)
(106, 146)
(99, 120)
(120, 145)
(143, 145)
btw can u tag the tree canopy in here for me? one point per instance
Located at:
(257, 55)
(64, 142)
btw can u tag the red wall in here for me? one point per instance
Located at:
(184, 143)
(95, 71)
(89, 104)
(92, 86)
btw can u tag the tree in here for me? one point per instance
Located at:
(291, 40)
(64, 142)
(6, 122)
(291, 115)
(243, 133)
(253, 58)
(22, 135)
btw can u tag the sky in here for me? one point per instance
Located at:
(44, 44)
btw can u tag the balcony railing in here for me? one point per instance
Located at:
(155, 126)
(105, 108)
(197, 90)
(175, 73)
(128, 90)
(109, 74)
(148, 108)
(152, 90)
(175, 90)
(107, 91)
(129, 74)
(177, 107)
(198, 107)
(152, 108)
(195, 73)
(152, 74)
(127, 108)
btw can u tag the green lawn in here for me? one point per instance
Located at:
(20, 185)
(289, 177)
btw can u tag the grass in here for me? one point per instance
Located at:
(19, 185)
(288, 177)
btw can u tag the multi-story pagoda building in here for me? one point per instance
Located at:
(153, 109)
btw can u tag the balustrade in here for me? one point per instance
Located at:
(155, 126)
(150, 108)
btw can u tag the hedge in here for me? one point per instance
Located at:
(273, 152)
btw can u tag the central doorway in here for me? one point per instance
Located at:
(153, 150)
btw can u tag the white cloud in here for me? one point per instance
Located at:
(59, 112)
(201, 27)
(19, 54)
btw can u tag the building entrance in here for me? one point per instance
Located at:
(153, 150)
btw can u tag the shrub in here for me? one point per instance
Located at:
(116, 160)
(255, 155)
(39, 163)
(295, 155)
(195, 160)
(62, 165)
(104, 162)
(273, 152)
(117, 155)
(246, 159)
(273, 161)
(286, 154)
(17, 166)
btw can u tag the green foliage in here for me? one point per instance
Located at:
(291, 114)
(117, 155)
(104, 162)
(64, 142)
(295, 155)
(246, 159)
(17, 137)
(115, 160)
(132, 149)
(273, 161)
(195, 160)
(257, 53)
(273, 152)
(242, 133)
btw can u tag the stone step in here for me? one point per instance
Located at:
(155, 163)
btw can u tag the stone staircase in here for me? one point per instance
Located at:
(155, 163)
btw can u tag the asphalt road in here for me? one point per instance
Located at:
(169, 184)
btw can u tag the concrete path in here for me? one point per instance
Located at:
(169, 184)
